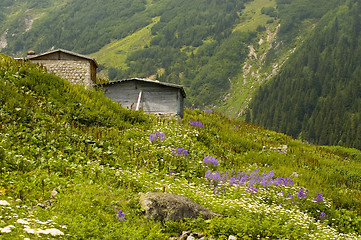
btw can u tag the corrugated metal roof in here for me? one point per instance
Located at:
(64, 51)
(145, 80)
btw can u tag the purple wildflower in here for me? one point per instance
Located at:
(217, 190)
(252, 189)
(242, 180)
(253, 180)
(266, 180)
(319, 197)
(196, 124)
(161, 136)
(265, 183)
(208, 174)
(208, 110)
(210, 160)
(232, 181)
(121, 216)
(171, 173)
(215, 176)
(283, 182)
(302, 193)
(152, 137)
(268, 175)
(180, 152)
(288, 182)
(323, 216)
(290, 197)
(157, 136)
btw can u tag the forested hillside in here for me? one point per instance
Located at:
(191, 43)
(195, 46)
(201, 44)
(83, 26)
(317, 95)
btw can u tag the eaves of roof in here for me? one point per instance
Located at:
(145, 80)
(64, 51)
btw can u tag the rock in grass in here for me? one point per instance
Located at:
(160, 206)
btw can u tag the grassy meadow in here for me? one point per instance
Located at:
(115, 54)
(73, 164)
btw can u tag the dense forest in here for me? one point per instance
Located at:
(195, 45)
(83, 26)
(317, 95)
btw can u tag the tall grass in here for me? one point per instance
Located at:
(73, 159)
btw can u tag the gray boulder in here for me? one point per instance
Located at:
(169, 207)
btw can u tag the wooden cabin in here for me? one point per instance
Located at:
(77, 68)
(154, 97)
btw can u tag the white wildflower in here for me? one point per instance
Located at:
(22, 221)
(40, 222)
(6, 229)
(4, 203)
(38, 231)
(54, 232)
(29, 230)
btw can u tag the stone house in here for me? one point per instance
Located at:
(159, 98)
(77, 68)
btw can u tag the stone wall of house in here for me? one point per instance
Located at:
(77, 72)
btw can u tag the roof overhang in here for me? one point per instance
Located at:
(180, 87)
(34, 57)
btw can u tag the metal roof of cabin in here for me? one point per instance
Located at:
(64, 51)
(145, 80)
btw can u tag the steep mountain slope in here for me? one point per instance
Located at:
(294, 21)
(316, 96)
(72, 165)
(254, 70)
(17, 19)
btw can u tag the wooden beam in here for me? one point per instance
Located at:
(139, 98)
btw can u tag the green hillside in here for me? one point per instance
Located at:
(71, 159)
(114, 55)
(316, 96)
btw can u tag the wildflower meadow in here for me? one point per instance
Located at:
(73, 165)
